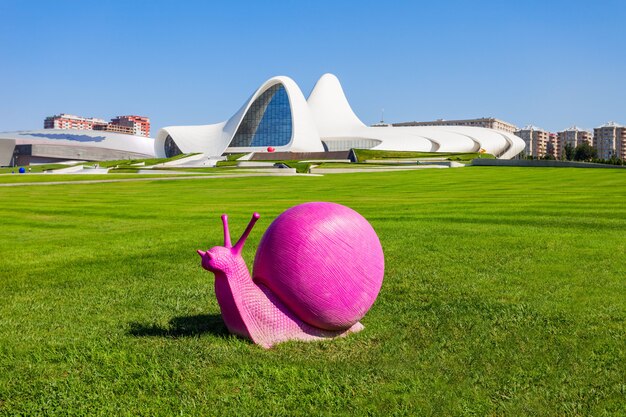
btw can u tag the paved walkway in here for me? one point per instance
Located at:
(374, 169)
(190, 177)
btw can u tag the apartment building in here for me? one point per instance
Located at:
(70, 121)
(610, 140)
(536, 140)
(553, 148)
(110, 127)
(573, 136)
(130, 125)
(140, 125)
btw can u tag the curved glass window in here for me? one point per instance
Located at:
(170, 147)
(267, 122)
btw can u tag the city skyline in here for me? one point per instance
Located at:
(192, 64)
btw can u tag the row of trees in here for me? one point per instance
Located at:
(583, 152)
(587, 153)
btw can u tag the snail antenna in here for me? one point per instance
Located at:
(242, 240)
(226, 231)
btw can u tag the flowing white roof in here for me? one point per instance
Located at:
(90, 138)
(326, 120)
(330, 108)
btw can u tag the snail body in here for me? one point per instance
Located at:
(317, 271)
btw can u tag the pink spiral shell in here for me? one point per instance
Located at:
(324, 261)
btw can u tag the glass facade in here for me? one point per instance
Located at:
(345, 144)
(171, 149)
(267, 122)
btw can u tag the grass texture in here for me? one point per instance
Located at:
(146, 161)
(373, 154)
(301, 167)
(101, 164)
(33, 168)
(504, 294)
(32, 178)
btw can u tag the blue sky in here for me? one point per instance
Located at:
(549, 63)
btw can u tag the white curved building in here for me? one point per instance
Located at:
(277, 115)
(57, 145)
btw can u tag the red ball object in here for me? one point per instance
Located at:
(270, 149)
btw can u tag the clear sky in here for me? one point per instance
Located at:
(549, 63)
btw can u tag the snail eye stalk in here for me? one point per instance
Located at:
(226, 232)
(242, 240)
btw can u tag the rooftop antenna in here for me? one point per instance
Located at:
(382, 115)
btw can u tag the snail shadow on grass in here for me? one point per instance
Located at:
(183, 326)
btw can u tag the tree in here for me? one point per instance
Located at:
(585, 152)
(568, 151)
(614, 160)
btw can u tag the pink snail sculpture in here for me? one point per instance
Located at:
(317, 271)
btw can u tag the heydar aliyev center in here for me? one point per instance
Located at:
(278, 116)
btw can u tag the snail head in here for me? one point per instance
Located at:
(219, 258)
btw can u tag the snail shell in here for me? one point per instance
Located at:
(325, 263)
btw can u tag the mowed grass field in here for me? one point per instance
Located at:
(504, 294)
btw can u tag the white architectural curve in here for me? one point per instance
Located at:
(330, 108)
(214, 139)
(278, 116)
(54, 145)
(304, 137)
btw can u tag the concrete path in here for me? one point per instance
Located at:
(194, 177)
(374, 169)
(69, 170)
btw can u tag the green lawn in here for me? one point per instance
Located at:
(373, 154)
(301, 167)
(361, 165)
(20, 178)
(147, 162)
(33, 168)
(101, 164)
(504, 294)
